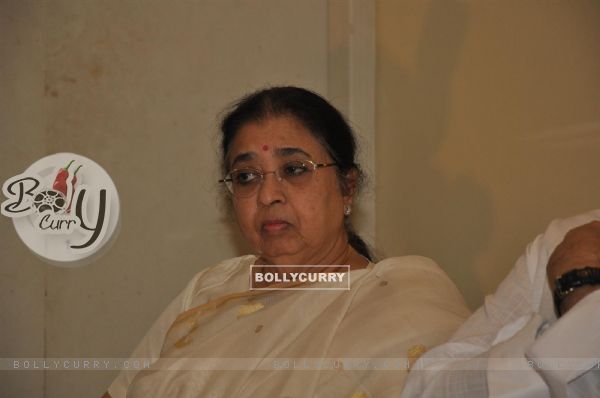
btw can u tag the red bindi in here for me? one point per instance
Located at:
(265, 147)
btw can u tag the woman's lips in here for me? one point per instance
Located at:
(272, 226)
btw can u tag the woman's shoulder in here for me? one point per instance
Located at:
(416, 276)
(404, 264)
(410, 295)
(223, 270)
(218, 276)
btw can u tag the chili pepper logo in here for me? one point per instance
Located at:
(55, 199)
(62, 215)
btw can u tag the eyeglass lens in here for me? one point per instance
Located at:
(244, 182)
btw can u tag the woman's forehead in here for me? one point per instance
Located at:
(281, 136)
(282, 153)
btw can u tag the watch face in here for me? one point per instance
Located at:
(563, 283)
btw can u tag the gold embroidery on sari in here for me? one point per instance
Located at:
(415, 353)
(250, 308)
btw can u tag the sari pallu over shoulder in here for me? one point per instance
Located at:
(251, 343)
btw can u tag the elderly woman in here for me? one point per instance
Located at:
(289, 165)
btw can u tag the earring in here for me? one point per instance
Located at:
(347, 210)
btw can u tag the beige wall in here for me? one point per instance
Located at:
(488, 126)
(135, 86)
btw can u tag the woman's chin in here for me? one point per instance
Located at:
(280, 254)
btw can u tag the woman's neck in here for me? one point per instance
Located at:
(337, 251)
(348, 256)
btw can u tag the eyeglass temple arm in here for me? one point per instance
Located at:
(325, 164)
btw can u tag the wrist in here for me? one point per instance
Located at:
(575, 296)
(573, 285)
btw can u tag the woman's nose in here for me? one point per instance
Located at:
(271, 189)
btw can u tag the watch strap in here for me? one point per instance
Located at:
(571, 280)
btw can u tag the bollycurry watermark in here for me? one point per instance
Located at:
(299, 364)
(299, 277)
(75, 363)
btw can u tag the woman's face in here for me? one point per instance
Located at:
(286, 224)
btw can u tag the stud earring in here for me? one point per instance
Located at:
(347, 210)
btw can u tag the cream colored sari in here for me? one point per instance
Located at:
(305, 343)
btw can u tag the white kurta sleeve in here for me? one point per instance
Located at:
(567, 355)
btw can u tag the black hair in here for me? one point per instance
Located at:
(318, 116)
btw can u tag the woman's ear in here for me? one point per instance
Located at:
(350, 185)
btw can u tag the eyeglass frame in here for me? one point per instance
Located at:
(263, 174)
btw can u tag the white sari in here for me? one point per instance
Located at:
(233, 342)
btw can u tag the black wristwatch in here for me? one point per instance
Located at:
(572, 280)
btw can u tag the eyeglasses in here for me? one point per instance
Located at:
(244, 182)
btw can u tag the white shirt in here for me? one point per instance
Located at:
(509, 346)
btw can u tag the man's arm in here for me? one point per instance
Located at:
(576, 335)
(500, 326)
(579, 249)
